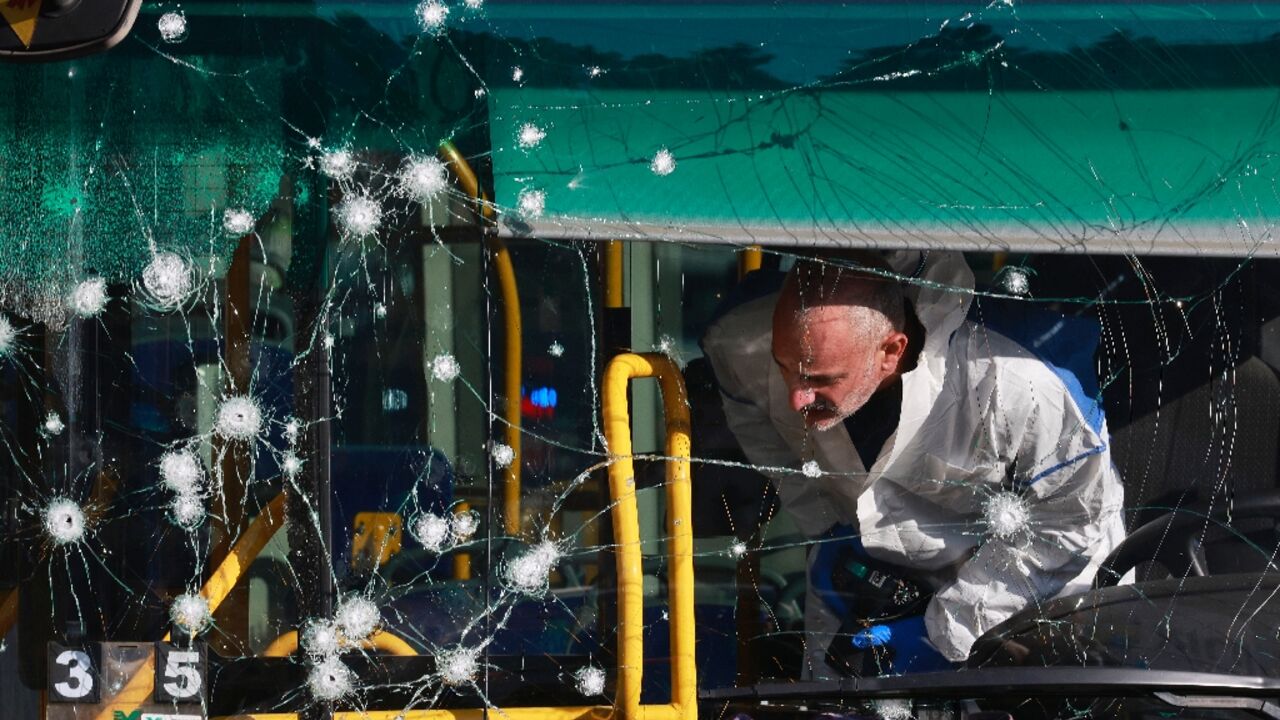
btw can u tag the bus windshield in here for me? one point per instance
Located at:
(588, 359)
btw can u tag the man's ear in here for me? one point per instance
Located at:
(894, 348)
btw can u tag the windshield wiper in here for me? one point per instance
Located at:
(1232, 702)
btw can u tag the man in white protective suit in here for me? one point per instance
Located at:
(910, 443)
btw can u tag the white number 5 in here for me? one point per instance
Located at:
(79, 682)
(184, 667)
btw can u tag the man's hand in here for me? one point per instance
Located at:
(880, 608)
(893, 648)
(858, 588)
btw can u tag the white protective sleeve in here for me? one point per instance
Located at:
(1074, 501)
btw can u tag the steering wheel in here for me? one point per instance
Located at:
(1173, 539)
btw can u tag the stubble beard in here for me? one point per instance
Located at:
(852, 402)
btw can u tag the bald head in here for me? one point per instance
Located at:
(837, 337)
(870, 295)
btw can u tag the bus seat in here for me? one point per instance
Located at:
(369, 480)
(376, 538)
(1213, 443)
(1216, 438)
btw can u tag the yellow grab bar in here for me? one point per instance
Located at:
(243, 553)
(224, 578)
(683, 706)
(287, 644)
(749, 260)
(511, 383)
(613, 274)
(512, 325)
(626, 527)
(467, 177)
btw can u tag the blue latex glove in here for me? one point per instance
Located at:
(909, 642)
(836, 542)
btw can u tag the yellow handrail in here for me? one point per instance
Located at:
(617, 428)
(613, 274)
(511, 383)
(287, 644)
(243, 553)
(467, 177)
(138, 690)
(750, 259)
(511, 520)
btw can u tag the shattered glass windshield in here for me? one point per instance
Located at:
(589, 359)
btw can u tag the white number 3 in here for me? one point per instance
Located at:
(79, 682)
(184, 667)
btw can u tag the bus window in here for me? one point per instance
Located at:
(598, 359)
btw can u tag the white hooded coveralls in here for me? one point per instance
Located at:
(980, 415)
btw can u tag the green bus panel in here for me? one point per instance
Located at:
(1172, 171)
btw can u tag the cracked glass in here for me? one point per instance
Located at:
(601, 359)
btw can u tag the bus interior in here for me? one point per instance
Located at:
(350, 357)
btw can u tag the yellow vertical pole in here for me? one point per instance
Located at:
(749, 260)
(626, 528)
(684, 686)
(510, 294)
(626, 536)
(137, 691)
(511, 383)
(613, 274)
